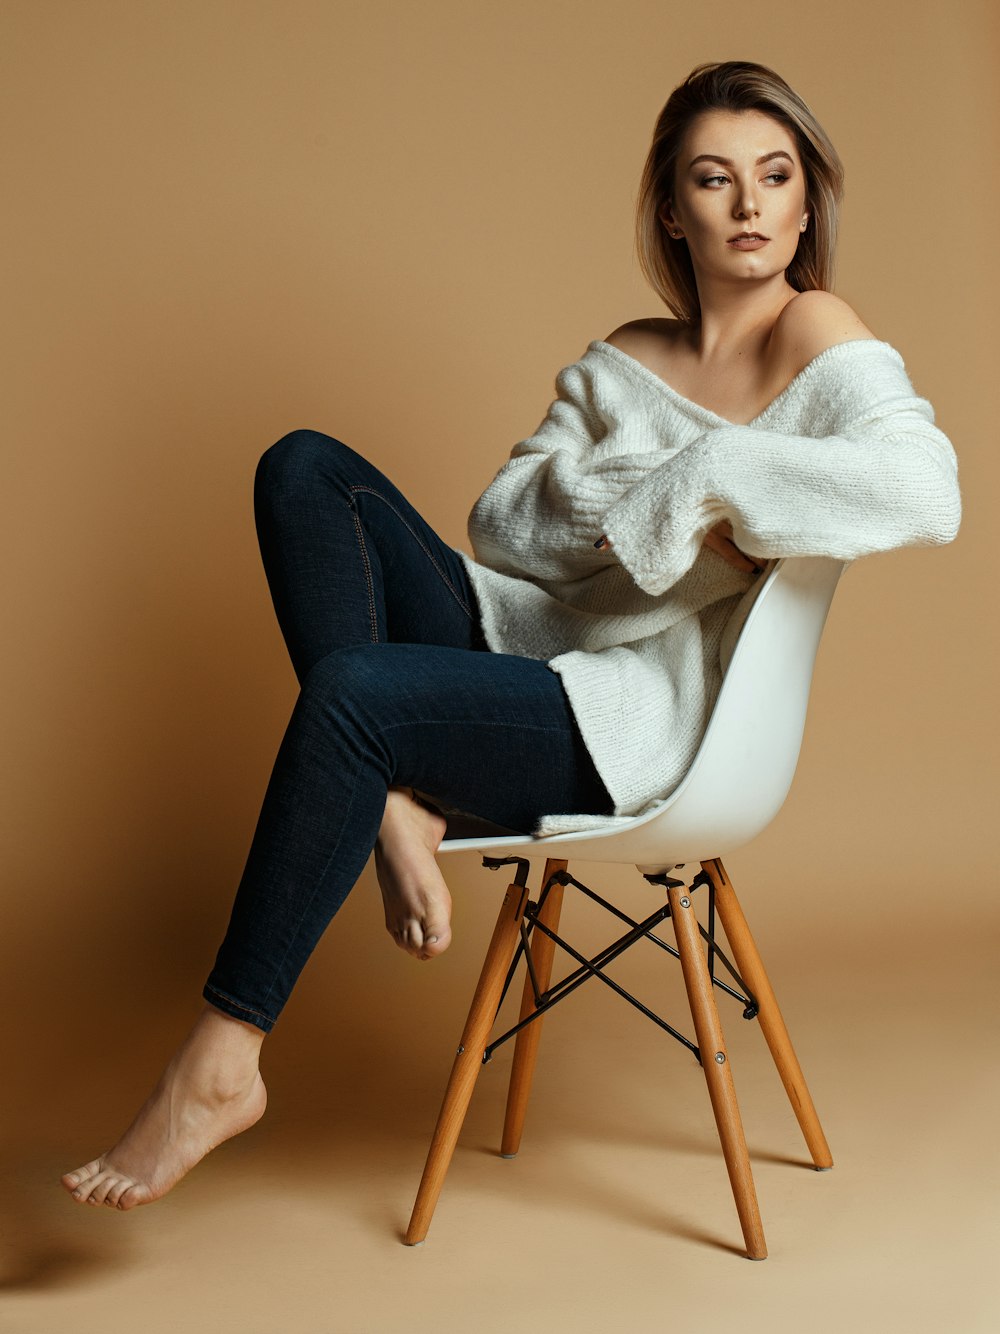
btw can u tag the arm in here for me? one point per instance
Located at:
(887, 479)
(807, 325)
(875, 474)
(540, 515)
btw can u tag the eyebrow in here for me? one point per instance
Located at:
(714, 157)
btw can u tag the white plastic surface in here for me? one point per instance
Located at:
(744, 767)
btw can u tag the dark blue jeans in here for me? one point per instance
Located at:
(398, 688)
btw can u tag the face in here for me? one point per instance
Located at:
(737, 172)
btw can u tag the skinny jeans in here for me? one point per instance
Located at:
(397, 688)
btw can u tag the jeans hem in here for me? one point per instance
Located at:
(236, 1010)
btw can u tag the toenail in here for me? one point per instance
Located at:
(432, 940)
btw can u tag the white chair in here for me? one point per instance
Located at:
(733, 789)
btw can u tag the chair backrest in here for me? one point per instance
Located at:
(744, 766)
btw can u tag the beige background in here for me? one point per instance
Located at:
(395, 223)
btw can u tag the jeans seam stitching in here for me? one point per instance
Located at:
(359, 532)
(442, 574)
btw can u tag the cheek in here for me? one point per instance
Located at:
(793, 207)
(714, 213)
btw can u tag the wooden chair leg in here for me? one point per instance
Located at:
(526, 1043)
(468, 1061)
(715, 1063)
(751, 969)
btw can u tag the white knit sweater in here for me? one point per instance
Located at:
(844, 462)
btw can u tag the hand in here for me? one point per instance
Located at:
(720, 540)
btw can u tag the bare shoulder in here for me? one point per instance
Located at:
(637, 335)
(810, 323)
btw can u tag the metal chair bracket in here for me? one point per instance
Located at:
(522, 864)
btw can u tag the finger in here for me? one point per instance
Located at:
(740, 560)
(730, 553)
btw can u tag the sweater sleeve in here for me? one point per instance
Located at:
(887, 479)
(542, 513)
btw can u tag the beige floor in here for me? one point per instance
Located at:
(616, 1215)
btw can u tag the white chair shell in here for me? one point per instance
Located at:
(744, 766)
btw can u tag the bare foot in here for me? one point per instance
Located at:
(210, 1091)
(416, 899)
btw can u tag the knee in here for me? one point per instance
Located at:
(292, 462)
(351, 692)
(304, 464)
(351, 677)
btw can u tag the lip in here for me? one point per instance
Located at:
(747, 241)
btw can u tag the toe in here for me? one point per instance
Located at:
(117, 1189)
(87, 1189)
(435, 945)
(73, 1180)
(133, 1194)
(435, 937)
(103, 1188)
(411, 937)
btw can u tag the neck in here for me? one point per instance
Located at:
(737, 319)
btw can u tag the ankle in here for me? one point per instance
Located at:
(221, 1054)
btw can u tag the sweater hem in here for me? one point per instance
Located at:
(626, 803)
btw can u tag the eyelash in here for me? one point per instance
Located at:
(779, 174)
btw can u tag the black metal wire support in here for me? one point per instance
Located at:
(595, 966)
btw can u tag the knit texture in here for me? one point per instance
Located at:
(844, 462)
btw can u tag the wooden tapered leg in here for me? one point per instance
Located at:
(715, 1063)
(751, 969)
(526, 1043)
(468, 1061)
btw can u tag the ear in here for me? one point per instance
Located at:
(667, 218)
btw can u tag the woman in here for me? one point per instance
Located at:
(613, 551)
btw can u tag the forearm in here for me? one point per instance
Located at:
(891, 484)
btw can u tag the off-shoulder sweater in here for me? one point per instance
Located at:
(844, 462)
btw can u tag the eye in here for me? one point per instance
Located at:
(776, 176)
(707, 179)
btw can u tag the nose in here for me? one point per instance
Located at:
(746, 203)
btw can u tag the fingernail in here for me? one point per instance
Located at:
(432, 940)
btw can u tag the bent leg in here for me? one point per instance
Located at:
(349, 562)
(454, 724)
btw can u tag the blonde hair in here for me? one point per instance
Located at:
(735, 85)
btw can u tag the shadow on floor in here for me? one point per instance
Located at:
(46, 1246)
